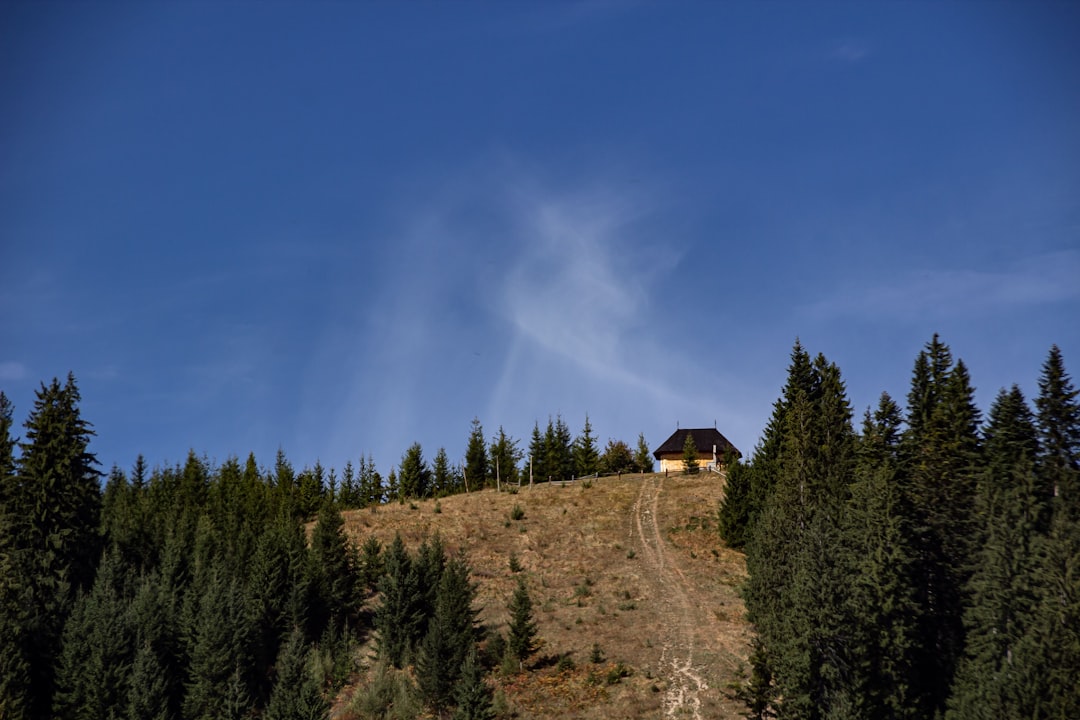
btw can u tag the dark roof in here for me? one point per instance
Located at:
(704, 439)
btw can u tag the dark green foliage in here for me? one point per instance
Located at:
(443, 478)
(50, 538)
(93, 667)
(586, 456)
(148, 696)
(472, 695)
(371, 565)
(521, 636)
(450, 637)
(414, 479)
(310, 490)
(218, 636)
(733, 519)
(538, 456)
(690, 456)
(333, 580)
(560, 455)
(476, 458)
(296, 694)
(397, 618)
(505, 456)
(941, 451)
(643, 458)
(1014, 511)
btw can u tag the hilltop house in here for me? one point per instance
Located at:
(710, 444)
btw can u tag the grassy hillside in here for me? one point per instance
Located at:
(632, 565)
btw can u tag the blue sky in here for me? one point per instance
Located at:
(339, 228)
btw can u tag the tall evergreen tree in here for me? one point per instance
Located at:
(333, 579)
(733, 518)
(414, 479)
(442, 475)
(643, 459)
(1013, 510)
(471, 694)
(538, 455)
(521, 638)
(296, 694)
(941, 450)
(505, 455)
(95, 657)
(586, 456)
(51, 540)
(690, 455)
(396, 617)
(451, 635)
(476, 458)
(560, 450)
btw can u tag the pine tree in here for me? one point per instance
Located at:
(690, 455)
(471, 694)
(97, 648)
(521, 639)
(643, 459)
(877, 528)
(733, 518)
(332, 578)
(1014, 511)
(538, 455)
(296, 695)
(617, 458)
(586, 456)
(414, 480)
(396, 617)
(505, 455)
(476, 459)
(148, 695)
(442, 479)
(560, 450)
(799, 593)
(941, 452)
(451, 635)
(52, 540)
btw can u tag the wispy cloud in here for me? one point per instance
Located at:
(1041, 279)
(12, 370)
(851, 51)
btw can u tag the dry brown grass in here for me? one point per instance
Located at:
(632, 564)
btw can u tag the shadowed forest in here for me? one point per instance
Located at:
(925, 563)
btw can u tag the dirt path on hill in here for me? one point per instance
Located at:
(683, 618)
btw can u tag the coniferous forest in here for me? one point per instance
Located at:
(923, 564)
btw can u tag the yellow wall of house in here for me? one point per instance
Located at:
(674, 463)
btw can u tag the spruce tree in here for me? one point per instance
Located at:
(690, 455)
(93, 666)
(586, 456)
(560, 450)
(521, 638)
(52, 539)
(1013, 511)
(332, 578)
(476, 458)
(643, 459)
(733, 518)
(396, 617)
(942, 456)
(451, 635)
(442, 479)
(472, 695)
(538, 455)
(505, 455)
(296, 695)
(414, 479)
